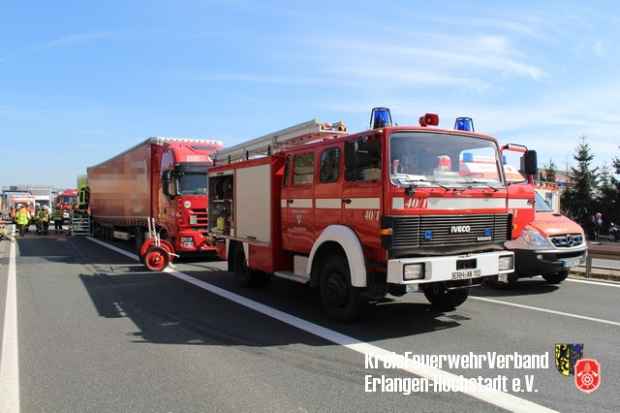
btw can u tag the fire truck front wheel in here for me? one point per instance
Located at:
(340, 300)
(444, 299)
(245, 276)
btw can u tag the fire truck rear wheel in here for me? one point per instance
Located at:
(340, 300)
(245, 276)
(443, 299)
(556, 278)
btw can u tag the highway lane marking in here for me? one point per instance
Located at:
(546, 310)
(504, 400)
(600, 283)
(9, 358)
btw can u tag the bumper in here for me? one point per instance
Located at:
(448, 268)
(531, 262)
(199, 243)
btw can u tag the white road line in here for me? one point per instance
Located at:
(546, 310)
(600, 283)
(9, 358)
(113, 248)
(504, 400)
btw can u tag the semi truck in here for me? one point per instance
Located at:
(389, 210)
(154, 194)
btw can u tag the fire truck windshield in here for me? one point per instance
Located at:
(193, 183)
(439, 159)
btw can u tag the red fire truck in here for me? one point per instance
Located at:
(388, 210)
(64, 203)
(155, 194)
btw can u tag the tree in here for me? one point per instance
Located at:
(549, 172)
(578, 198)
(608, 196)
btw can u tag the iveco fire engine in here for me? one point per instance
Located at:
(389, 210)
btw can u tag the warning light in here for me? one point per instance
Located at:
(380, 118)
(429, 119)
(464, 123)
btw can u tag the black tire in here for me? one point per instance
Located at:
(556, 278)
(340, 300)
(244, 275)
(443, 299)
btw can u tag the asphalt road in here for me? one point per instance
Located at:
(98, 333)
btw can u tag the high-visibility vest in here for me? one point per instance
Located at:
(22, 217)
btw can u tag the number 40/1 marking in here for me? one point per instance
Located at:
(371, 215)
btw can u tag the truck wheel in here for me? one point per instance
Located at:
(341, 301)
(443, 299)
(556, 278)
(156, 259)
(245, 276)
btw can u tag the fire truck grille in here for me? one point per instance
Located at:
(449, 230)
(202, 217)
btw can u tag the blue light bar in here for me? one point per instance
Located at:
(464, 124)
(380, 118)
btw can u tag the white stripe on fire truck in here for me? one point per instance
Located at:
(518, 203)
(301, 203)
(328, 203)
(453, 203)
(283, 203)
(363, 203)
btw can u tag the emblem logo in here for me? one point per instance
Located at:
(566, 356)
(460, 229)
(587, 375)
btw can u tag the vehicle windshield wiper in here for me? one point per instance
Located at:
(483, 183)
(413, 181)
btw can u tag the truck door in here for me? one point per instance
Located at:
(297, 196)
(362, 188)
(328, 188)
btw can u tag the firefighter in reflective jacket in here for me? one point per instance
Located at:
(22, 219)
(57, 217)
(43, 220)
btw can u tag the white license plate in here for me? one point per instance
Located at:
(571, 262)
(465, 274)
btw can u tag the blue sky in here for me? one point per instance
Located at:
(81, 81)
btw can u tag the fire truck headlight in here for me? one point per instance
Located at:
(535, 239)
(413, 271)
(187, 242)
(187, 204)
(506, 263)
(193, 219)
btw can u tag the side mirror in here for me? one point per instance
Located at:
(529, 163)
(166, 179)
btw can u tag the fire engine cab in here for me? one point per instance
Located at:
(390, 210)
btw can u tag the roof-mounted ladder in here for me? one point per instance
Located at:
(306, 132)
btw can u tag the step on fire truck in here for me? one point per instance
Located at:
(389, 210)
